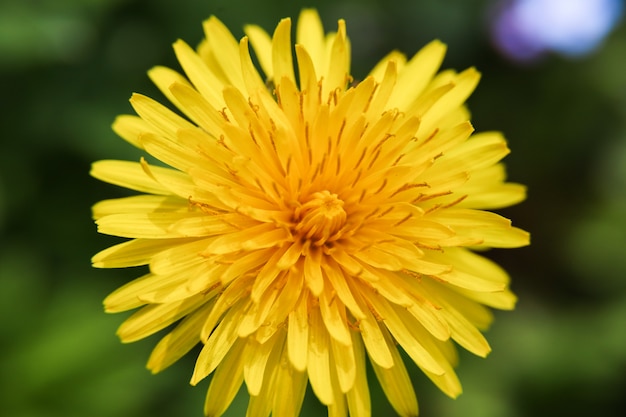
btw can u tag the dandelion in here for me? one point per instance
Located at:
(306, 223)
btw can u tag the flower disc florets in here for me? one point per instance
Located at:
(320, 219)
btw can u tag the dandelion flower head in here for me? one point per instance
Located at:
(299, 223)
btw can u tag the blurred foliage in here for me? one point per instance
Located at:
(67, 68)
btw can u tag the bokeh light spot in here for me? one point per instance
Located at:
(527, 29)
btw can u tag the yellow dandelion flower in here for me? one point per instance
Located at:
(306, 222)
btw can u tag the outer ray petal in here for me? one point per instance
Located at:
(163, 120)
(132, 253)
(226, 382)
(179, 341)
(338, 69)
(220, 344)
(290, 387)
(318, 366)
(345, 364)
(334, 317)
(298, 335)
(358, 397)
(223, 43)
(128, 127)
(416, 74)
(262, 44)
(255, 357)
(163, 78)
(378, 349)
(152, 318)
(310, 35)
(396, 383)
(402, 334)
(282, 62)
(207, 83)
(128, 175)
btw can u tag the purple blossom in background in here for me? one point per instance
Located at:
(527, 29)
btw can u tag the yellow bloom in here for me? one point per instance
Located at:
(307, 222)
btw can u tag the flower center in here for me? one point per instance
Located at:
(321, 218)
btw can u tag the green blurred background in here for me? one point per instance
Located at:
(68, 67)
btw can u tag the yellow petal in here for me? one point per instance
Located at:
(262, 44)
(413, 347)
(128, 175)
(163, 121)
(432, 143)
(207, 83)
(465, 83)
(126, 297)
(427, 100)
(235, 295)
(493, 230)
(226, 49)
(198, 109)
(502, 300)
(177, 257)
(338, 408)
(482, 150)
(318, 366)
(386, 85)
(256, 237)
(396, 383)
(242, 265)
(171, 152)
(289, 389)
(176, 182)
(298, 335)
(338, 69)
(393, 287)
(291, 256)
(344, 362)
(132, 253)
(132, 293)
(282, 60)
(267, 276)
(310, 35)
(469, 281)
(129, 128)
(358, 397)
(432, 319)
(219, 347)
(374, 339)
(163, 78)
(313, 273)
(150, 225)
(255, 359)
(463, 277)
(257, 312)
(251, 77)
(334, 317)
(226, 382)
(179, 341)
(339, 282)
(308, 83)
(493, 197)
(285, 303)
(153, 318)
(463, 316)
(139, 204)
(417, 73)
(396, 57)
